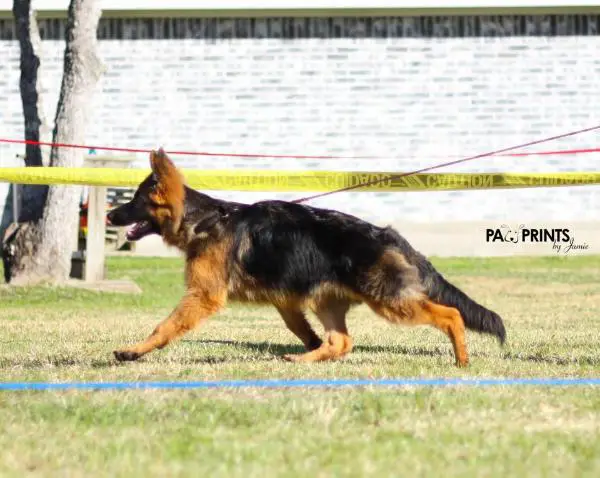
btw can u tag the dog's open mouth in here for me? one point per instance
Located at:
(139, 230)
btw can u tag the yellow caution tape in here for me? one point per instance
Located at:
(300, 181)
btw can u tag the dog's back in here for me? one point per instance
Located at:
(287, 246)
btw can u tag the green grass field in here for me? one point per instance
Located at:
(551, 307)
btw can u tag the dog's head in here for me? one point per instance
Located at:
(158, 204)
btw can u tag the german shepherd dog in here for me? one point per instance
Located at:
(296, 258)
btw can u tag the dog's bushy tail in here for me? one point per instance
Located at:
(475, 316)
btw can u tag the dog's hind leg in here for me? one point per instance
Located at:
(332, 314)
(426, 312)
(448, 320)
(193, 309)
(296, 321)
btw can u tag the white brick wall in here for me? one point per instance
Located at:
(416, 100)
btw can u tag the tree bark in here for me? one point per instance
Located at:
(31, 197)
(42, 250)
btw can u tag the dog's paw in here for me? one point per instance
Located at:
(126, 355)
(462, 364)
(298, 358)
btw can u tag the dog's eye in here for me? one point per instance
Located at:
(153, 190)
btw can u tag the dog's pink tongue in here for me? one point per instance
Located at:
(132, 231)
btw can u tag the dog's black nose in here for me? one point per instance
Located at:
(109, 216)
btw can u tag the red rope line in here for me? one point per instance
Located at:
(449, 163)
(178, 153)
(256, 155)
(557, 152)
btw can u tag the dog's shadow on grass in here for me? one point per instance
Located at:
(257, 347)
(277, 349)
(283, 349)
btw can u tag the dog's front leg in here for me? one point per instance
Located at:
(193, 309)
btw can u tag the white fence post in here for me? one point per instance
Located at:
(96, 232)
(95, 255)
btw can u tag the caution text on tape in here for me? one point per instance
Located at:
(301, 181)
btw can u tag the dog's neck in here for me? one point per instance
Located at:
(204, 220)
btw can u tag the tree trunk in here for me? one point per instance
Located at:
(41, 251)
(31, 197)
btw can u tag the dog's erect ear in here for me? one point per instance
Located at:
(164, 171)
(160, 163)
(170, 190)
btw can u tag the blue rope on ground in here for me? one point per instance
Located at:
(299, 383)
